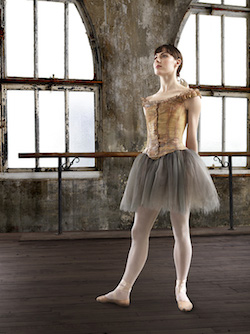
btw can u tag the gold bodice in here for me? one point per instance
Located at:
(166, 121)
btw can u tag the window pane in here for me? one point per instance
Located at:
(21, 127)
(236, 127)
(210, 50)
(82, 125)
(211, 127)
(52, 125)
(80, 54)
(235, 2)
(187, 46)
(235, 51)
(51, 39)
(19, 38)
(218, 2)
(226, 2)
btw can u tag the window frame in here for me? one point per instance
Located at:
(37, 84)
(200, 8)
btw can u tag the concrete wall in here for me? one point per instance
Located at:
(128, 31)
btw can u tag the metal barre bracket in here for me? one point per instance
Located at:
(67, 168)
(223, 164)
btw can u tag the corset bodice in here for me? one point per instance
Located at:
(166, 121)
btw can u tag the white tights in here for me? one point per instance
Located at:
(138, 253)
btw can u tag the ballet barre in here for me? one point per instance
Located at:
(133, 155)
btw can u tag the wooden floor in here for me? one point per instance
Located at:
(49, 287)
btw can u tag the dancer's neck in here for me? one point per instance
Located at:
(168, 83)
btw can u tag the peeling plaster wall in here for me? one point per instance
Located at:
(128, 31)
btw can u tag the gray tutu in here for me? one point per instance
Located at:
(174, 182)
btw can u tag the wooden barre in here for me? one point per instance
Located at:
(116, 154)
(79, 154)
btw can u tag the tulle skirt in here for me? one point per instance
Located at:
(176, 182)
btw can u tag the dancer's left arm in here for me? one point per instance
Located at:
(193, 107)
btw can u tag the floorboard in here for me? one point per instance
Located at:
(49, 287)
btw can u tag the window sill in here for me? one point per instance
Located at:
(69, 175)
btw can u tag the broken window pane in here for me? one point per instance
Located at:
(211, 127)
(52, 125)
(50, 39)
(80, 53)
(19, 38)
(187, 46)
(82, 125)
(236, 128)
(21, 127)
(235, 51)
(210, 50)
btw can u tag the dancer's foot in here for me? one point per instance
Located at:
(119, 296)
(184, 303)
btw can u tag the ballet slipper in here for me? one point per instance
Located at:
(185, 306)
(104, 299)
(119, 296)
(183, 302)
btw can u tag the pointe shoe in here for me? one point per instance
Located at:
(185, 306)
(104, 299)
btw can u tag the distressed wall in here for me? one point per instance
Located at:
(128, 31)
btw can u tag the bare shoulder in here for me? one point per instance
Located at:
(193, 106)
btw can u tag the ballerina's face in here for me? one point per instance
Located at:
(165, 63)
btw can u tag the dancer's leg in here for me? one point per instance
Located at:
(182, 246)
(182, 256)
(143, 223)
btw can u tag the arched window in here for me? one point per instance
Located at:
(214, 43)
(50, 82)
